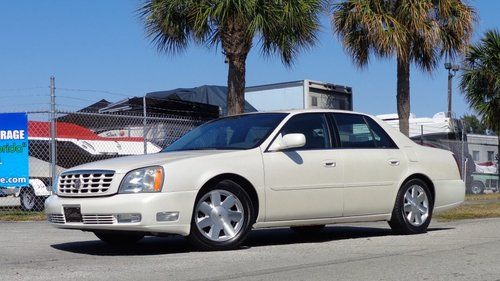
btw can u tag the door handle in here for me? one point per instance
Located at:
(393, 162)
(329, 163)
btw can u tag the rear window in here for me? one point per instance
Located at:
(358, 131)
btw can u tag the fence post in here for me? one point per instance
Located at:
(53, 147)
(464, 156)
(144, 123)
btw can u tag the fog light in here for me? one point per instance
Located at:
(167, 216)
(128, 218)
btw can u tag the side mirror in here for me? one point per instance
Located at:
(288, 141)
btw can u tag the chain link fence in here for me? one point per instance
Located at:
(83, 137)
(477, 155)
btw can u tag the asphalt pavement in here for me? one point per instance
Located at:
(464, 250)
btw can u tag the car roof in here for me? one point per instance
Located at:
(298, 111)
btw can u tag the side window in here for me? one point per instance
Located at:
(353, 131)
(475, 155)
(382, 139)
(313, 126)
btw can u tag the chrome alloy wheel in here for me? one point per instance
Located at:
(416, 205)
(219, 215)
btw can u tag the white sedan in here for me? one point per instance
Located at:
(302, 169)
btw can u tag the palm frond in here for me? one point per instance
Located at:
(480, 79)
(420, 31)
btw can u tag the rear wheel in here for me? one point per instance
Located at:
(29, 201)
(119, 238)
(476, 187)
(412, 212)
(308, 229)
(222, 217)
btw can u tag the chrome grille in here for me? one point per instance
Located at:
(81, 183)
(98, 219)
(56, 218)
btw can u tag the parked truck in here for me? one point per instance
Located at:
(302, 94)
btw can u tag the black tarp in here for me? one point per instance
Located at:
(88, 116)
(162, 106)
(208, 94)
(106, 116)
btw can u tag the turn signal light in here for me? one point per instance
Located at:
(158, 179)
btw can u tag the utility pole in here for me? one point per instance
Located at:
(53, 134)
(452, 71)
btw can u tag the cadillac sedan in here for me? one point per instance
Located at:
(301, 169)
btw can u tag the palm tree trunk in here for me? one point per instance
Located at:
(236, 45)
(403, 95)
(236, 85)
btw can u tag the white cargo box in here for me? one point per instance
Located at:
(302, 94)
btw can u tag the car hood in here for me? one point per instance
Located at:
(128, 163)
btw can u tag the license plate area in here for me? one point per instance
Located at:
(73, 214)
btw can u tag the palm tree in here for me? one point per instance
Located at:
(413, 31)
(284, 27)
(480, 80)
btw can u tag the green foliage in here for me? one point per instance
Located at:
(480, 80)
(418, 31)
(283, 27)
(472, 125)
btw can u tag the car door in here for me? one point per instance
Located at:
(306, 182)
(373, 165)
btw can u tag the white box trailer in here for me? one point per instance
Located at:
(302, 94)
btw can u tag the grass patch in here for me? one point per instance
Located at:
(489, 196)
(19, 215)
(472, 211)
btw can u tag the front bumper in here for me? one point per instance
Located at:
(146, 204)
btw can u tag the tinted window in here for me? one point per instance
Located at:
(353, 131)
(313, 126)
(358, 131)
(236, 132)
(382, 139)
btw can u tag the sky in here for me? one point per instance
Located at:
(101, 45)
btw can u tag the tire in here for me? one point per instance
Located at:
(476, 187)
(414, 197)
(118, 237)
(219, 224)
(308, 229)
(29, 201)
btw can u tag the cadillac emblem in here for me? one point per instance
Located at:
(78, 183)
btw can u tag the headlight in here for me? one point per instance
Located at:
(149, 179)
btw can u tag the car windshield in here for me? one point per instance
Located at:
(235, 132)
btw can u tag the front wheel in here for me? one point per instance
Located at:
(412, 212)
(222, 217)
